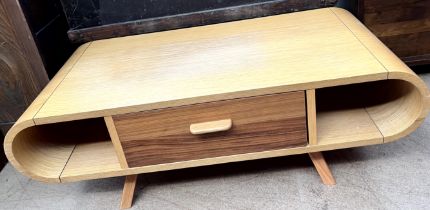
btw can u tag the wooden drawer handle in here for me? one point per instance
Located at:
(211, 127)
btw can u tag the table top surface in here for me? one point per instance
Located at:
(289, 52)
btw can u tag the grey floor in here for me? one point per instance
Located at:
(390, 176)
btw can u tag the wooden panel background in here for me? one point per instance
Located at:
(403, 25)
(22, 74)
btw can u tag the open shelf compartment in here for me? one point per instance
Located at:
(57, 151)
(365, 113)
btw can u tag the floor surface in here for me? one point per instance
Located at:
(390, 176)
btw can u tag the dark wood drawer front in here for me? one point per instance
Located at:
(259, 123)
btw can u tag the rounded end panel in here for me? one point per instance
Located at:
(395, 107)
(398, 107)
(26, 152)
(42, 151)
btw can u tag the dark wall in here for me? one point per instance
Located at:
(89, 13)
(101, 19)
(3, 160)
(354, 6)
(49, 26)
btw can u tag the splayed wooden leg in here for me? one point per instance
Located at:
(128, 191)
(322, 168)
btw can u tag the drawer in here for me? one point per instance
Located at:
(258, 124)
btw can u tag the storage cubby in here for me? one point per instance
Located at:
(58, 150)
(366, 113)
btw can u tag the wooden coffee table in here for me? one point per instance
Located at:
(282, 85)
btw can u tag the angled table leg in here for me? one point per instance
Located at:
(128, 191)
(322, 168)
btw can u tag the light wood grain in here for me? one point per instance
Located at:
(128, 191)
(347, 128)
(43, 151)
(267, 55)
(399, 109)
(311, 116)
(216, 63)
(210, 127)
(322, 168)
(342, 117)
(39, 155)
(395, 67)
(115, 140)
(394, 106)
(91, 160)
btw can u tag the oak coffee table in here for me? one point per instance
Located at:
(288, 84)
